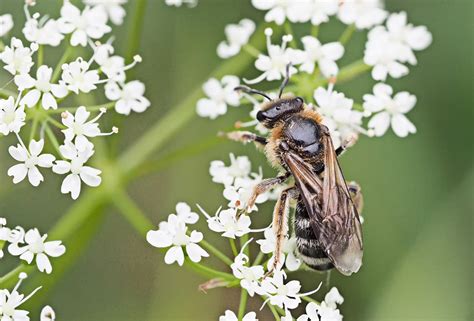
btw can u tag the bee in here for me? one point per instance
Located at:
(327, 225)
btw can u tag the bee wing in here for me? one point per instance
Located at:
(333, 216)
(344, 240)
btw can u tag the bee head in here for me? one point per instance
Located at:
(279, 110)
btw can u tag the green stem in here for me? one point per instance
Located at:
(258, 259)
(314, 30)
(233, 247)
(34, 127)
(289, 31)
(40, 55)
(274, 312)
(224, 258)
(57, 70)
(347, 34)
(135, 27)
(244, 240)
(309, 299)
(207, 271)
(179, 154)
(55, 122)
(131, 212)
(51, 136)
(243, 303)
(251, 50)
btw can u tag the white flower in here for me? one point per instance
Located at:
(338, 115)
(288, 257)
(129, 97)
(113, 8)
(79, 129)
(17, 58)
(228, 223)
(237, 36)
(327, 310)
(240, 166)
(42, 88)
(30, 160)
(179, 3)
(230, 316)
(249, 276)
(11, 235)
(238, 196)
(88, 24)
(390, 111)
(36, 247)
(280, 10)
(382, 53)
(10, 301)
(321, 10)
(77, 76)
(173, 234)
(325, 55)
(11, 117)
(416, 38)
(389, 47)
(274, 65)
(112, 66)
(364, 14)
(47, 314)
(74, 165)
(281, 294)
(220, 94)
(184, 213)
(41, 31)
(6, 24)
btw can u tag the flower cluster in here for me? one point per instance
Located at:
(388, 49)
(254, 275)
(31, 106)
(173, 235)
(11, 301)
(30, 246)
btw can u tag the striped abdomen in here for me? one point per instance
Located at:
(307, 242)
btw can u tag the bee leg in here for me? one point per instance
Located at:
(356, 195)
(245, 137)
(348, 143)
(280, 224)
(263, 187)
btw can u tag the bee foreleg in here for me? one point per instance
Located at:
(280, 224)
(245, 137)
(263, 187)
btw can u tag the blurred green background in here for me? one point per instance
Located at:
(418, 191)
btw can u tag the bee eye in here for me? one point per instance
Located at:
(299, 100)
(277, 108)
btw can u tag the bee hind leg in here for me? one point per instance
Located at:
(263, 187)
(280, 224)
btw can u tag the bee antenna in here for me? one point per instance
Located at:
(285, 80)
(249, 90)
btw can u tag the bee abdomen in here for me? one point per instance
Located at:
(307, 243)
